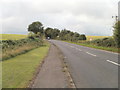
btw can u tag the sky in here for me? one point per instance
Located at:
(89, 17)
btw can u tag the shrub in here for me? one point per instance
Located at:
(106, 42)
(11, 48)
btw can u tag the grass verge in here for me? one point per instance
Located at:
(18, 71)
(97, 47)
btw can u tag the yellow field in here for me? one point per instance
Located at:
(11, 36)
(95, 37)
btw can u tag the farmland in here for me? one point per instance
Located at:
(12, 36)
(95, 37)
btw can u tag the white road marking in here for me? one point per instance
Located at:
(113, 62)
(75, 48)
(79, 49)
(90, 54)
(72, 46)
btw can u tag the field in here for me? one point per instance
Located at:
(18, 71)
(95, 37)
(11, 36)
(18, 36)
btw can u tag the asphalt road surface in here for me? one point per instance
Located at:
(90, 68)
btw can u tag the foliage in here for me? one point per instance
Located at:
(11, 48)
(52, 33)
(117, 33)
(36, 27)
(105, 42)
(63, 35)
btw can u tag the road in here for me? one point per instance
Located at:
(90, 68)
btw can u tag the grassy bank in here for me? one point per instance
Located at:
(12, 36)
(97, 47)
(12, 48)
(18, 71)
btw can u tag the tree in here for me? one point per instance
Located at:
(36, 27)
(116, 33)
(52, 33)
(48, 32)
(82, 37)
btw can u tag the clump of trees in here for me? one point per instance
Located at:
(54, 33)
(71, 36)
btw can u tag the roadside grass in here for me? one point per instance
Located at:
(12, 36)
(97, 47)
(16, 50)
(96, 37)
(12, 53)
(17, 72)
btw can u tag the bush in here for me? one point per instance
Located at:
(11, 48)
(106, 42)
(117, 33)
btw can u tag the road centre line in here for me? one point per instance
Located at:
(79, 49)
(76, 48)
(113, 62)
(90, 54)
(72, 46)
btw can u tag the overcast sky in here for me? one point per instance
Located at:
(90, 17)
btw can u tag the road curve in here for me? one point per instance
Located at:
(90, 68)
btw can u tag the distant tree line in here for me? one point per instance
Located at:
(54, 33)
(37, 30)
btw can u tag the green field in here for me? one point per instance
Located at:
(18, 71)
(11, 36)
(95, 37)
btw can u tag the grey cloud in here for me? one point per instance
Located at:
(83, 16)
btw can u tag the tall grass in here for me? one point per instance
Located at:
(12, 48)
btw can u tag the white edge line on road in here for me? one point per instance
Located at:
(90, 54)
(113, 62)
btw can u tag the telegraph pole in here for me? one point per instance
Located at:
(119, 11)
(118, 54)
